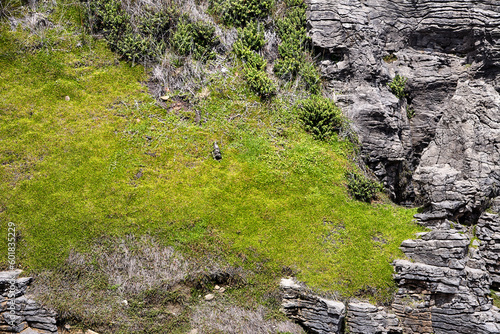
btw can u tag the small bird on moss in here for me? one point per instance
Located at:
(216, 152)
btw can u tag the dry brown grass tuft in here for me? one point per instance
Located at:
(159, 285)
(222, 317)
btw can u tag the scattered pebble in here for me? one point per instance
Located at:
(67, 98)
(209, 297)
(164, 98)
(222, 290)
(124, 302)
(217, 287)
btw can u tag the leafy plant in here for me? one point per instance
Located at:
(398, 85)
(390, 58)
(410, 112)
(253, 59)
(240, 12)
(259, 82)
(294, 46)
(320, 116)
(250, 40)
(362, 188)
(292, 31)
(138, 37)
(107, 16)
(311, 78)
(251, 36)
(196, 38)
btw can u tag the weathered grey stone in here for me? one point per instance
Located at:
(437, 296)
(317, 315)
(488, 232)
(365, 318)
(466, 172)
(444, 248)
(450, 53)
(27, 312)
(44, 326)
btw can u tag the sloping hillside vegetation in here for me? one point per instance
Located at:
(109, 113)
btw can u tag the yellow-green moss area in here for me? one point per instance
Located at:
(111, 162)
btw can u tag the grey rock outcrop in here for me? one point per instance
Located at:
(21, 313)
(488, 232)
(365, 318)
(316, 314)
(460, 165)
(450, 53)
(445, 289)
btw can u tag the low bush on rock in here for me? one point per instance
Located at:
(250, 41)
(293, 48)
(196, 38)
(239, 12)
(362, 188)
(320, 116)
(259, 82)
(398, 85)
(137, 35)
(250, 37)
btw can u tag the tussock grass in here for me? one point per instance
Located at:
(110, 163)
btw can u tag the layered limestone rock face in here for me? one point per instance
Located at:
(438, 146)
(443, 288)
(18, 312)
(318, 315)
(488, 233)
(446, 288)
(450, 53)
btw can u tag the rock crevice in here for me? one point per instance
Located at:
(450, 53)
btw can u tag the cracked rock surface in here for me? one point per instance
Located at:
(21, 313)
(450, 53)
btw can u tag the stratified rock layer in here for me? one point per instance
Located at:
(445, 289)
(437, 146)
(17, 311)
(318, 315)
(450, 53)
(488, 232)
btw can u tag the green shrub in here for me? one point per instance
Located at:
(259, 82)
(311, 78)
(410, 112)
(250, 40)
(133, 47)
(252, 36)
(292, 32)
(362, 188)
(196, 38)
(157, 25)
(239, 12)
(108, 16)
(286, 68)
(320, 116)
(141, 37)
(252, 59)
(398, 85)
(294, 47)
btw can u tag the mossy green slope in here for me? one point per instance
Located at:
(111, 162)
